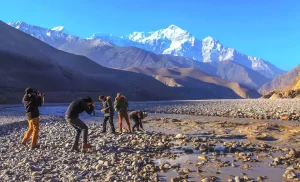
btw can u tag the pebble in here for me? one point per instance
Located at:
(247, 108)
(186, 171)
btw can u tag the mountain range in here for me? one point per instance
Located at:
(178, 42)
(281, 81)
(249, 71)
(193, 78)
(27, 61)
(290, 91)
(296, 84)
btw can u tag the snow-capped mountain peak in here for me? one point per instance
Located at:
(59, 29)
(172, 40)
(56, 37)
(173, 33)
(174, 27)
(136, 36)
(99, 35)
(208, 39)
(20, 25)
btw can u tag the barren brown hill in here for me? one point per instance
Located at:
(291, 91)
(194, 78)
(281, 81)
(296, 84)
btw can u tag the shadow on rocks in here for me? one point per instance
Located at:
(8, 128)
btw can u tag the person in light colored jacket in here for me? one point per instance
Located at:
(121, 105)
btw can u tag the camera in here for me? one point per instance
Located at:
(92, 108)
(38, 92)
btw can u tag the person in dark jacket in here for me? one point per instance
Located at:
(72, 116)
(32, 102)
(137, 117)
(108, 111)
(121, 105)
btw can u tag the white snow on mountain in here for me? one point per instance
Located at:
(172, 40)
(175, 41)
(58, 28)
(56, 37)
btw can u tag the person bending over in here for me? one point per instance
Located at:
(108, 111)
(72, 116)
(137, 117)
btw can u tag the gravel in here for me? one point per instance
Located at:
(284, 109)
(114, 157)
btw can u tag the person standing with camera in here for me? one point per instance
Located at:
(108, 111)
(72, 116)
(32, 100)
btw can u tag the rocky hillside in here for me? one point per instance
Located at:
(291, 91)
(235, 72)
(194, 79)
(296, 84)
(124, 57)
(281, 81)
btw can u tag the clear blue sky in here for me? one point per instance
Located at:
(269, 29)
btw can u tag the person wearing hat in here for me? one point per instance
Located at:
(72, 116)
(32, 101)
(108, 111)
(137, 117)
(121, 105)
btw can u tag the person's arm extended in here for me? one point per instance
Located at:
(140, 122)
(88, 109)
(39, 101)
(109, 105)
(36, 100)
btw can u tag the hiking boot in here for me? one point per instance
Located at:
(86, 146)
(24, 143)
(35, 147)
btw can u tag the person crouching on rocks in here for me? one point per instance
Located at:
(32, 101)
(121, 105)
(108, 111)
(72, 116)
(137, 117)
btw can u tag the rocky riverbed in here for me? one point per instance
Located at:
(278, 109)
(174, 148)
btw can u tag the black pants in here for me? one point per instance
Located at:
(137, 122)
(111, 123)
(79, 125)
